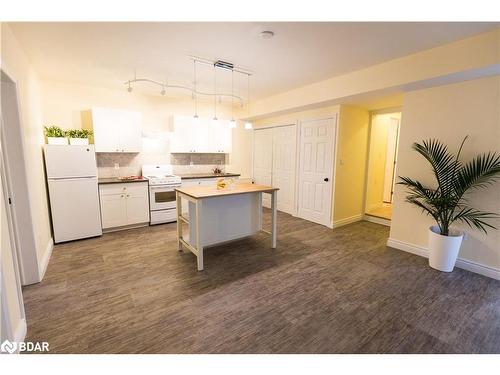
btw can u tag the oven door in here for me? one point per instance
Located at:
(161, 197)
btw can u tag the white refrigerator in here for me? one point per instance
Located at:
(73, 191)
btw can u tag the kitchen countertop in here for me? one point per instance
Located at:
(200, 192)
(115, 180)
(188, 176)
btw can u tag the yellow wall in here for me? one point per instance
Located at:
(449, 113)
(18, 67)
(63, 104)
(352, 150)
(352, 143)
(377, 158)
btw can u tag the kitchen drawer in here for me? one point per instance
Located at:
(163, 216)
(131, 188)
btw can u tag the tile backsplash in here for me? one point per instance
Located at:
(130, 164)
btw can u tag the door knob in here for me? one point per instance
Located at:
(325, 179)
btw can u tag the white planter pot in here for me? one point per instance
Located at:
(79, 141)
(443, 250)
(57, 140)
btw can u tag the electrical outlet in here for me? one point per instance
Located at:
(117, 166)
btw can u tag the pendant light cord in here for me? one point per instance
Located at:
(195, 91)
(248, 96)
(232, 93)
(215, 92)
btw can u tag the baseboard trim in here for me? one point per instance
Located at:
(377, 220)
(347, 220)
(465, 264)
(44, 262)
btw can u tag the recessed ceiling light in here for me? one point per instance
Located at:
(266, 34)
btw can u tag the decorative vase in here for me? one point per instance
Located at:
(443, 250)
(79, 141)
(57, 140)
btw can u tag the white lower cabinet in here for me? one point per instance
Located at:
(124, 204)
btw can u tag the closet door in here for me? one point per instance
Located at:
(283, 173)
(263, 160)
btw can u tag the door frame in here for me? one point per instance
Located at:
(28, 273)
(6, 323)
(395, 159)
(335, 134)
(368, 155)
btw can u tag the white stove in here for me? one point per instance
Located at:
(164, 180)
(162, 184)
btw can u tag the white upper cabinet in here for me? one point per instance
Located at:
(115, 130)
(220, 137)
(202, 137)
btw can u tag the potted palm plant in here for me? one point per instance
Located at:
(79, 137)
(55, 135)
(447, 202)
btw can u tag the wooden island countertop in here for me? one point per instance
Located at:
(221, 215)
(200, 191)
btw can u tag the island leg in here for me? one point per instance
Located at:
(274, 218)
(179, 221)
(199, 248)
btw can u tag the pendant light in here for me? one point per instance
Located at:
(232, 123)
(196, 119)
(215, 120)
(248, 124)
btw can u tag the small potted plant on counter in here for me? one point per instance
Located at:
(447, 202)
(55, 135)
(79, 137)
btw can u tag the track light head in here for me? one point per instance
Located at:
(163, 92)
(129, 88)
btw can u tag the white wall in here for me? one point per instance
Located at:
(17, 65)
(449, 113)
(63, 104)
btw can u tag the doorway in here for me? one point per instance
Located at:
(17, 182)
(382, 161)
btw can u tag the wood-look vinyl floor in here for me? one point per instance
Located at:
(320, 291)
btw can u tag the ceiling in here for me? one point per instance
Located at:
(300, 53)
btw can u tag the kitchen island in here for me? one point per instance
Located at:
(221, 215)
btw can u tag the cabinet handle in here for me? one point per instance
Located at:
(128, 195)
(122, 195)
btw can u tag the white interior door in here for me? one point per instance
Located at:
(283, 172)
(263, 160)
(390, 159)
(316, 170)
